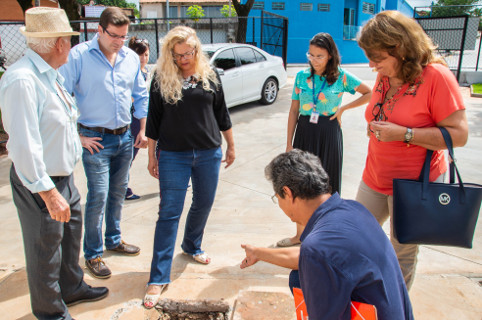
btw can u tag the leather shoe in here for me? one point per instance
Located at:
(98, 268)
(91, 294)
(128, 249)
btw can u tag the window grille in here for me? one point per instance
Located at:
(368, 8)
(324, 7)
(278, 6)
(306, 6)
(258, 5)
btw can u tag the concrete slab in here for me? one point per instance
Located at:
(264, 305)
(446, 285)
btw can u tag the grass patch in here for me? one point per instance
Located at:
(477, 88)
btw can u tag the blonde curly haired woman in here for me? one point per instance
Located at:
(187, 114)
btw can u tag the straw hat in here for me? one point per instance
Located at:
(43, 22)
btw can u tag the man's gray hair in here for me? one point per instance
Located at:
(301, 172)
(41, 45)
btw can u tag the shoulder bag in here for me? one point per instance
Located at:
(436, 213)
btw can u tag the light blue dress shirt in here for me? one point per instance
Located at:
(41, 122)
(104, 92)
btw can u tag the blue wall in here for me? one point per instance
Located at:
(300, 24)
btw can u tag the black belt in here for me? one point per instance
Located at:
(117, 131)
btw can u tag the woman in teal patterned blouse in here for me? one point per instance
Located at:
(316, 110)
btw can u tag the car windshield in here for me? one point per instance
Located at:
(209, 53)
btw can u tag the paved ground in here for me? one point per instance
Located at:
(447, 282)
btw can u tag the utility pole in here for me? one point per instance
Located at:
(167, 15)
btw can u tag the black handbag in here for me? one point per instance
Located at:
(436, 213)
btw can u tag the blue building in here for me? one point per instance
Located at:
(340, 18)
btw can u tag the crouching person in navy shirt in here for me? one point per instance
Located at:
(344, 255)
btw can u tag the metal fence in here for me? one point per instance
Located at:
(455, 31)
(209, 30)
(457, 40)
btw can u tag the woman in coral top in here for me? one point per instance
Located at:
(316, 111)
(414, 94)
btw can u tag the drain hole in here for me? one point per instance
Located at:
(193, 309)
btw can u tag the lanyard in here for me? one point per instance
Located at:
(315, 97)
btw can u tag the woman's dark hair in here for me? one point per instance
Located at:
(301, 172)
(140, 46)
(323, 40)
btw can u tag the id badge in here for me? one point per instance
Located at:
(314, 117)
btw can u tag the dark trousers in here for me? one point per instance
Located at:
(294, 280)
(51, 248)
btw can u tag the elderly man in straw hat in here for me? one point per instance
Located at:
(41, 119)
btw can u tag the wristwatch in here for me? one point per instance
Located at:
(408, 135)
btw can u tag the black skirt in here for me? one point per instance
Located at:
(325, 140)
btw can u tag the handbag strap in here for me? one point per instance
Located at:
(425, 173)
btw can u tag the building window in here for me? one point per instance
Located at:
(258, 5)
(172, 12)
(349, 26)
(305, 6)
(278, 6)
(184, 11)
(368, 8)
(212, 11)
(324, 7)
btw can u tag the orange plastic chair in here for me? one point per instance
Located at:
(359, 310)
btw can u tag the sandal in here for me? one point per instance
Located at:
(151, 300)
(202, 258)
(286, 242)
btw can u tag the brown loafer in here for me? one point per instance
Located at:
(98, 268)
(128, 249)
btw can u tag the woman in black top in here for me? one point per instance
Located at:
(187, 111)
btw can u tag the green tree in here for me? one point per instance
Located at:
(450, 8)
(478, 13)
(195, 12)
(226, 9)
(242, 11)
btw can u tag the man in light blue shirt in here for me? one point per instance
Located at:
(40, 118)
(104, 77)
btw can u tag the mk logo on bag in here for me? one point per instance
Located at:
(444, 199)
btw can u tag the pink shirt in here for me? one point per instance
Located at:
(433, 97)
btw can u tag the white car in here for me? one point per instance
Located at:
(247, 72)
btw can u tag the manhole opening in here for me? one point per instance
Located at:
(193, 309)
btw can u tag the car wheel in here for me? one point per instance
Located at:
(269, 93)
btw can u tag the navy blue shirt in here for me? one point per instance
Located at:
(345, 256)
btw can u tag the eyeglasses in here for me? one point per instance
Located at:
(378, 113)
(142, 41)
(114, 36)
(187, 55)
(312, 57)
(274, 198)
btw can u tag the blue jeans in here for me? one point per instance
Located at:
(175, 169)
(107, 174)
